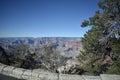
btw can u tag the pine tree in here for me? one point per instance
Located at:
(104, 36)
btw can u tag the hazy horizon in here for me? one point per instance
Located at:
(40, 37)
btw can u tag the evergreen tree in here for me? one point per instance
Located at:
(104, 36)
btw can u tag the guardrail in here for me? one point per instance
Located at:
(34, 74)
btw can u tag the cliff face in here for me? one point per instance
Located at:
(68, 46)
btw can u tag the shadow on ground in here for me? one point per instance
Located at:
(4, 77)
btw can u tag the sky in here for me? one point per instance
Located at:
(45, 18)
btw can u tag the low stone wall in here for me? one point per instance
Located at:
(42, 75)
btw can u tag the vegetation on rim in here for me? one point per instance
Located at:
(102, 41)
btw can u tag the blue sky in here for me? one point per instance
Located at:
(45, 18)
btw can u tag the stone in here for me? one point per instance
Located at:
(27, 74)
(109, 77)
(18, 72)
(45, 75)
(35, 73)
(8, 70)
(2, 66)
(52, 76)
(85, 77)
(77, 77)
